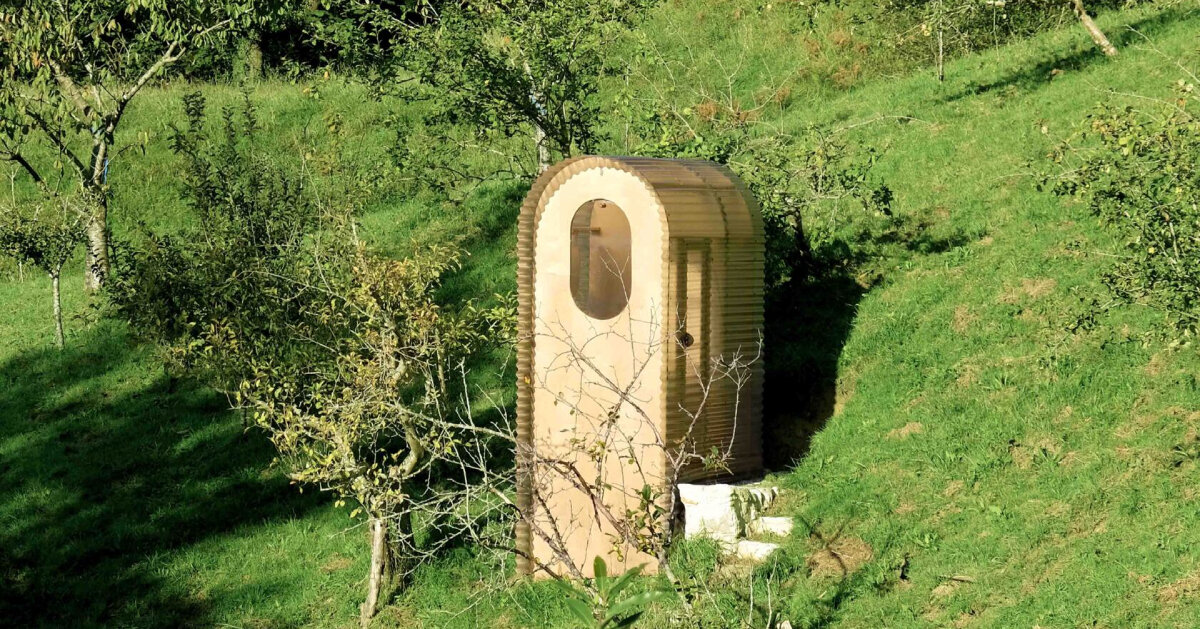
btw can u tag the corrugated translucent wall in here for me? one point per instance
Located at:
(712, 302)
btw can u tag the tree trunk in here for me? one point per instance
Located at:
(539, 134)
(375, 576)
(1093, 30)
(397, 565)
(941, 61)
(801, 259)
(543, 151)
(252, 57)
(97, 247)
(58, 324)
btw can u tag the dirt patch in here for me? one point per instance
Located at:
(1058, 509)
(1185, 588)
(1023, 454)
(905, 508)
(962, 319)
(845, 391)
(336, 563)
(953, 488)
(950, 586)
(1032, 288)
(841, 557)
(911, 428)
(968, 375)
(946, 589)
(1157, 363)
(1038, 288)
(1086, 526)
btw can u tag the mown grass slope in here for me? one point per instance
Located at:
(976, 464)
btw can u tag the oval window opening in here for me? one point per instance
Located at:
(600, 259)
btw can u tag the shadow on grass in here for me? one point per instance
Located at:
(104, 466)
(1034, 76)
(808, 323)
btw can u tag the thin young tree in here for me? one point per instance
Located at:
(46, 240)
(68, 74)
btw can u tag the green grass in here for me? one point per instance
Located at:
(931, 408)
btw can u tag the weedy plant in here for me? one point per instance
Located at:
(606, 603)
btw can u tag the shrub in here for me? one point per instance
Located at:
(1139, 172)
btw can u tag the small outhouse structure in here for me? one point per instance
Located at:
(637, 278)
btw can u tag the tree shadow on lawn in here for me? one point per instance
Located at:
(100, 473)
(1032, 77)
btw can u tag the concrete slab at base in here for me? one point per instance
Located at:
(755, 551)
(730, 513)
(708, 511)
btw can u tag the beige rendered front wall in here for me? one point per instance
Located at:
(577, 359)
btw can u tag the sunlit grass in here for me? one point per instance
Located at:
(968, 433)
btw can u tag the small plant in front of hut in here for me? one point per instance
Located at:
(604, 602)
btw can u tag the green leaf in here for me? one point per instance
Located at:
(600, 569)
(622, 582)
(581, 610)
(637, 602)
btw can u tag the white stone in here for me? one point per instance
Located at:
(772, 526)
(708, 511)
(751, 502)
(755, 551)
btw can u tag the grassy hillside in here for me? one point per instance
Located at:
(975, 464)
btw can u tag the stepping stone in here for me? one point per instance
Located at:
(755, 551)
(780, 526)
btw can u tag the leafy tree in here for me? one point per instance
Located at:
(493, 70)
(345, 359)
(68, 73)
(46, 241)
(1139, 172)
